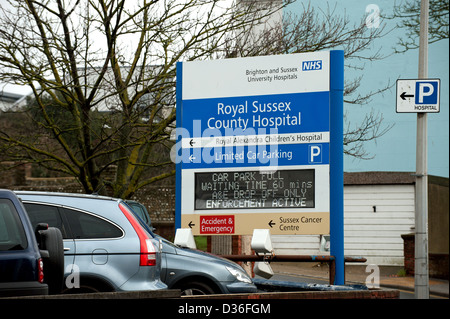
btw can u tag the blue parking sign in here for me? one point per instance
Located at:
(426, 92)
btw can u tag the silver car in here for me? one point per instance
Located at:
(105, 247)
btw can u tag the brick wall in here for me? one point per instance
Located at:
(12, 177)
(438, 264)
(408, 251)
(159, 200)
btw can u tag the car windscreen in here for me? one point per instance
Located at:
(12, 234)
(137, 208)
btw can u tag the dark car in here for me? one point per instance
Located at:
(31, 260)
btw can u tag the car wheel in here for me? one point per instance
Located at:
(52, 242)
(195, 288)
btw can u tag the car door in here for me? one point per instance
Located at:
(96, 248)
(51, 215)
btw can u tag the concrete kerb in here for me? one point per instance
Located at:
(144, 294)
(356, 274)
(354, 289)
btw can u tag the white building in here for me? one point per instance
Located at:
(378, 209)
(12, 96)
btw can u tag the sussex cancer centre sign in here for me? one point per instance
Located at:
(254, 145)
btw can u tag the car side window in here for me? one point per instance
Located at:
(87, 226)
(12, 234)
(40, 213)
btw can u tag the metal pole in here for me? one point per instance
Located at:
(421, 277)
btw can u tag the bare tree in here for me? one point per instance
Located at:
(108, 69)
(102, 75)
(324, 29)
(407, 13)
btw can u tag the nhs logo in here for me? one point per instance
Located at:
(312, 65)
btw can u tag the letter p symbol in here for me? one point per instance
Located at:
(315, 154)
(426, 92)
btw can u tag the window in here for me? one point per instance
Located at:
(12, 234)
(140, 210)
(87, 226)
(39, 213)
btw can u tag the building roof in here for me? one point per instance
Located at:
(386, 178)
(10, 97)
(379, 178)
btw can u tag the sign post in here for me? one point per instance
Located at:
(421, 274)
(421, 96)
(337, 165)
(255, 146)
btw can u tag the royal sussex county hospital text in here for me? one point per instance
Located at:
(257, 120)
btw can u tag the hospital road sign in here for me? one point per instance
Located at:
(418, 96)
(253, 138)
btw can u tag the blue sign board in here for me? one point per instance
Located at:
(426, 92)
(255, 134)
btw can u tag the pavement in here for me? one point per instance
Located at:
(390, 276)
